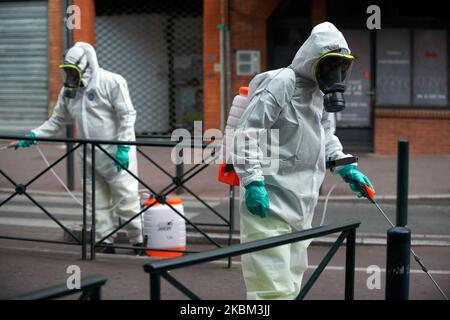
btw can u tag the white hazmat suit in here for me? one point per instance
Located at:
(102, 109)
(289, 100)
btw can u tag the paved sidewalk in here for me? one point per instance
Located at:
(429, 175)
(23, 270)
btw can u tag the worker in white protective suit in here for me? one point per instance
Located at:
(281, 200)
(99, 102)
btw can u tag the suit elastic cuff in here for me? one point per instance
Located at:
(253, 178)
(258, 183)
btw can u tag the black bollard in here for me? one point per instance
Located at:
(402, 182)
(399, 238)
(398, 263)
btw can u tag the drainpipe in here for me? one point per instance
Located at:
(224, 63)
(228, 60)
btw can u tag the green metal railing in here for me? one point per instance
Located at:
(347, 231)
(176, 183)
(90, 289)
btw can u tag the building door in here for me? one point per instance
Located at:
(23, 65)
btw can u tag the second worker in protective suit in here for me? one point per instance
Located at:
(99, 102)
(299, 102)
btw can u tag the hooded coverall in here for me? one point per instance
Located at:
(102, 109)
(290, 101)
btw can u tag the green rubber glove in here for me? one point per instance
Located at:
(350, 171)
(257, 199)
(27, 143)
(122, 157)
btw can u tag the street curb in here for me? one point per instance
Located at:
(419, 241)
(222, 238)
(337, 198)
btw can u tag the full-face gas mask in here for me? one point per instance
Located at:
(73, 71)
(331, 72)
(72, 76)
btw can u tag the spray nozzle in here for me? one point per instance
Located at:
(365, 190)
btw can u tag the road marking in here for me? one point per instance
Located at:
(13, 209)
(221, 262)
(24, 202)
(40, 223)
(360, 269)
(49, 223)
(342, 268)
(191, 215)
(20, 209)
(47, 199)
(197, 204)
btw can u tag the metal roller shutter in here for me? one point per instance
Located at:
(23, 65)
(124, 46)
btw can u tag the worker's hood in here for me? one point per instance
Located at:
(83, 56)
(324, 37)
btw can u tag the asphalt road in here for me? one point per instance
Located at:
(26, 269)
(28, 266)
(424, 217)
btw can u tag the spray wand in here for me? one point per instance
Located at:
(369, 194)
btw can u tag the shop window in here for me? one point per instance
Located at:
(411, 68)
(430, 82)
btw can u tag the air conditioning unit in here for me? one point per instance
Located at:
(248, 62)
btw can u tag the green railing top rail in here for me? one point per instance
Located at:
(87, 284)
(207, 256)
(144, 142)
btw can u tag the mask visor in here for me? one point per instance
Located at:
(332, 71)
(71, 75)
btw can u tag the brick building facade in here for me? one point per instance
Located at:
(428, 129)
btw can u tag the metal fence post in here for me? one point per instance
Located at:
(67, 44)
(231, 221)
(155, 286)
(398, 263)
(350, 265)
(179, 167)
(83, 230)
(402, 183)
(70, 160)
(180, 172)
(95, 293)
(93, 201)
